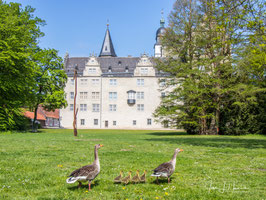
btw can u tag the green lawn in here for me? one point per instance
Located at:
(36, 165)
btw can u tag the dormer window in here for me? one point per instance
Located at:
(126, 69)
(109, 69)
(144, 71)
(119, 63)
(92, 70)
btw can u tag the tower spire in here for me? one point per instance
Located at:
(162, 19)
(107, 47)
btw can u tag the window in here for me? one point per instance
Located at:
(83, 107)
(71, 106)
(143, 71)
(92, 70)
(83, 95)
(109, 69)
(95, 95)
(162, 82)
(114, 123)
(148, 121)
(134, 122)
(140, 107)
(72, 81)
(112, 82)
(112, 95)
(71, 95)
(95, 107)
(83, 82)
(82, 122)
(95, 81)
(112, 107)
(163, 94)
(131, 94)
(140, 82)
(140, 95)
(95, 121)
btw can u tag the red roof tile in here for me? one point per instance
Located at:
(52, 114)
(30, 115)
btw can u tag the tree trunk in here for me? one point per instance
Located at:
(75, 110)
(35, 125)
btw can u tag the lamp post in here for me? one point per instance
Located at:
(75, 97)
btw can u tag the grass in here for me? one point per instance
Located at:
(36, 165)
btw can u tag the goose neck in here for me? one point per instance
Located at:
(96, 158)
(173, 160)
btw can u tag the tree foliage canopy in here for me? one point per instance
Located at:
(19, 37)
(216, 59)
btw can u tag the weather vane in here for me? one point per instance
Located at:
(107, 23)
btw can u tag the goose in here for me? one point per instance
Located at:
(136, 178)
(166, 169)
(143, 177)
(88, 172)
(119, 178)
(127, 179)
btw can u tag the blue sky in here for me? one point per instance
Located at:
(78, 26)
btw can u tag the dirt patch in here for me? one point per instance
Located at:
(88, 139)
(125, 150)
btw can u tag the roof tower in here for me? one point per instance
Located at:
(107, 47)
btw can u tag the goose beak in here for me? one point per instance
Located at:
(101, 145)
(181, 150)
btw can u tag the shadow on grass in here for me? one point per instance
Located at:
(167, 133)
(75, 187)
(161, 180)
(220, 142)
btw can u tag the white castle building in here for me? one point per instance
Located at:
(114, 92)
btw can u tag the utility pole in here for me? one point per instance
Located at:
(75, 97)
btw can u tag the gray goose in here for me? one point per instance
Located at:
(88, 172)
(166, 169)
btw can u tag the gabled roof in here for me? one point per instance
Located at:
(118, 66)
(30, 115)
(50, 114)
(107, 47)
(42, 114)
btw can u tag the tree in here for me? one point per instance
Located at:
(19, 33)
(207, 82)
(50, 79)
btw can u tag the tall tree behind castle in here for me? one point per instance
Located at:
(210, 90)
